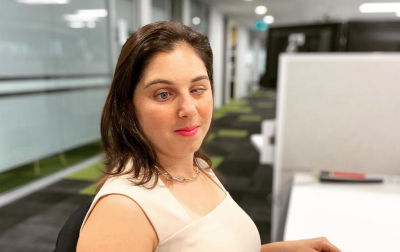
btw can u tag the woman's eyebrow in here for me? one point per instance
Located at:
(164, 81)
(157, 81)
(202, 77)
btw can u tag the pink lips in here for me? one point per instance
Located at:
(187, 131)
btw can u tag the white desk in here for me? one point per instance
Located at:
(354, 217)
(262, 141)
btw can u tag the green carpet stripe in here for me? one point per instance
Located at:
(259, 94)
(265, 104)
(92, 172)
(232, 109)
(238, 102)
(216, 161)
(218, 115)
(267, 94)
(232, 133)
(210, 137)
(271, 95)
(24, 174)
(249, 118)
(90, 190)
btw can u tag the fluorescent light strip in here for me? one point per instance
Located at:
(43, 1)
(79, 18)
(86, 15)
(93, 12)
(379, 7)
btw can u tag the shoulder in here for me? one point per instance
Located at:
(117, 223)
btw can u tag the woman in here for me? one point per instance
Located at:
(159, 192)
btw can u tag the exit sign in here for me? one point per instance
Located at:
(260, 26)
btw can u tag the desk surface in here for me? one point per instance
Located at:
(354, 217)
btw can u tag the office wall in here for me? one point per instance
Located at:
(258, 59)
(216, 37)
(145, 12)
(228, 63)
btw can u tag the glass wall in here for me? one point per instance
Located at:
(53, 39)
(177, 11)
(125, 21)
(161, 10)
(199, 16)
(54, 77)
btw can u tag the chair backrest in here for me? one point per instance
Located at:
(68, 237)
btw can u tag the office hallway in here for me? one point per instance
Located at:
(31, 224)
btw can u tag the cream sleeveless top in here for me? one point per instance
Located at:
(226, 228)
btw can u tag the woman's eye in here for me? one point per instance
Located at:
(198, 91)
(163, 96)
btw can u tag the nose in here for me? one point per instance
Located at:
(187, 106)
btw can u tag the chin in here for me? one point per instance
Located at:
(189, 149)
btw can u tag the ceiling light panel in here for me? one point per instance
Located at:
(379, 7)
(261, 10)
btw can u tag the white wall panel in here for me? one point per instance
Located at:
(216, 37)
(243, 72)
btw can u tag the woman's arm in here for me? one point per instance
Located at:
(310, 245)
(118, 224)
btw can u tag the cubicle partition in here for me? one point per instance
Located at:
(336, 112)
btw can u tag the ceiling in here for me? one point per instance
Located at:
(297, 11)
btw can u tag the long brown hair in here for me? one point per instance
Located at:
(127, 149)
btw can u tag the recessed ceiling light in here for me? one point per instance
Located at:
(379, 7)
(196, 20)
(261, 10)
(268, 19)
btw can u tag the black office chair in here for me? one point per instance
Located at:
(68, 237)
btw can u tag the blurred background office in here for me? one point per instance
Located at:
(57, 59)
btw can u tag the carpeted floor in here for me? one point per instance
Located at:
(32, 223)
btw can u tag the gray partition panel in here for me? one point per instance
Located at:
(338, 112)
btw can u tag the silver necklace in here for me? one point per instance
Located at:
(180, 178)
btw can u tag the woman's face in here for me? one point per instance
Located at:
(173, 102)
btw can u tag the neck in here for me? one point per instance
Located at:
(178, 166)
